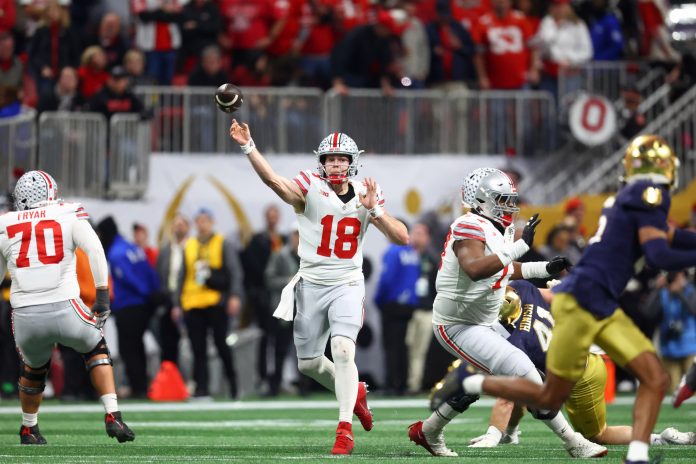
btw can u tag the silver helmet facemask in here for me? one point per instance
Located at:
(338, 144)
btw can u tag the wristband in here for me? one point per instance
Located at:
(102, 299)
(376, 211)
(512, 252)
(248, 147)
(535, 270)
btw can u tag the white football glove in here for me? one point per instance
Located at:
(484, 441)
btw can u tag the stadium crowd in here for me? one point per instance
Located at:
(81, 55)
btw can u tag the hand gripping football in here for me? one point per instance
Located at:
(229, 98)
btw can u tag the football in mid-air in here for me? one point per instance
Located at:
(229, 98)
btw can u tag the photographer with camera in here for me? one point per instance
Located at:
(675, 299)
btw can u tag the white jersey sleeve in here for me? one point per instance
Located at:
(86, 238)
(462, 300)
(40, 253)
(331, 232)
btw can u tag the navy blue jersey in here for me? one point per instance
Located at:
(532, 330)
(613, 254)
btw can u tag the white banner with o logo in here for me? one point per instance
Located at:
(592, 119)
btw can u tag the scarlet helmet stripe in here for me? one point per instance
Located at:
(443, 334)
(48, 183)
(334, 142)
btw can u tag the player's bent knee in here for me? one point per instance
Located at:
(32, 381)
(342, 350)
(98, 356)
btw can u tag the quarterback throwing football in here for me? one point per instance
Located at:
(333, 212)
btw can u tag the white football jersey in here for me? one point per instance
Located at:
(475, 302)
(38, 247)
(331, 232)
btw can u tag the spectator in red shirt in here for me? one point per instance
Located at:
(467, 12)
(8, 15)
(320, 29)
(92, 72)
(246, 25)
(504, 60)
(281, 43)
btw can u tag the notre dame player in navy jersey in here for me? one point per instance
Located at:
(633, 229)
(530, 326)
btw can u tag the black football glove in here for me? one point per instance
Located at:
(558, 264)
(529, 230)
(101, 308)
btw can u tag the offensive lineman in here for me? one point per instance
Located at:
(37, 244)
(633, 226)
(333, 213)
(478, 260)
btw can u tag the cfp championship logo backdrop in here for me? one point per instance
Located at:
(245, 229)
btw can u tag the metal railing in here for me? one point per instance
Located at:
(186, 119)
(607, 78)
(128, 157)
(293, 120)
(17, 146)
(500, 122)
(677, 125)
(72, 147)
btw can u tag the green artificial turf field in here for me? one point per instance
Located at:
(287, 430)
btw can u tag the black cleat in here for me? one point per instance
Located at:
(31, 436)
(116, 428)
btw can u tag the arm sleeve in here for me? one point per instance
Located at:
(659, 255)
(234, 267)
(86, 238)
(684, 239)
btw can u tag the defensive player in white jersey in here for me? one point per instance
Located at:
(479, 258)
(333, 212)
(37, 245)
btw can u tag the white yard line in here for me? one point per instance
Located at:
(268, 405)
(271, 423)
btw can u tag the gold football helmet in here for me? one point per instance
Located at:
(511, 309)
(650, 157)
